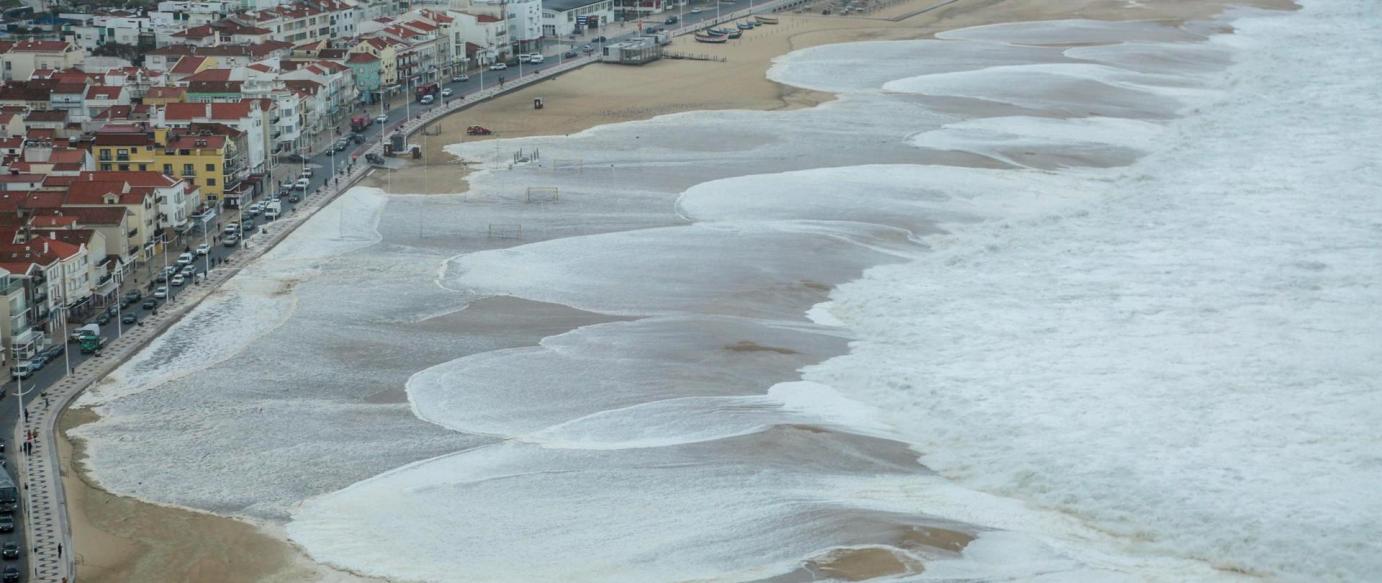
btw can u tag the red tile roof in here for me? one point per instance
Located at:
(41, 46)
(104, 92)
(188, 65)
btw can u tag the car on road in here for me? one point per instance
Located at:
(302, 184)
(177, 281)
(536, 58)
(128, 319)
(10, 551)
(446, 92)
(381, 118)
(203, 249)
(231, 229)
(53, 351)
(426, 100)
(249, 226)
(341, 145)
(185, 258)
(38, 361)
(6, 524)
(696, 10)
(294, 198)
(149, 304)
(230, 241)
(460, 78)
(306, 172)
(570, 54)
(499, 66)
(524, 57)
(103, 318)
(294, 158)
(671, 20)
(134, 295)
(161, 292)
(10, 575)
(22, 370)
(188, 271)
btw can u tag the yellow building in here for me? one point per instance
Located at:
(199, 158)
(388, 65)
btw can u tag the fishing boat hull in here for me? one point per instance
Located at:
(712, 39)
(744, 26)
(765, 19)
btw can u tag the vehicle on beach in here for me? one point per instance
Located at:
(499, 66)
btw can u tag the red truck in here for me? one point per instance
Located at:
(360, 122)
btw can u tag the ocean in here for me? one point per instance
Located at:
(1049, 301)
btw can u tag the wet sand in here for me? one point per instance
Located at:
(121, 539)
(602, 94)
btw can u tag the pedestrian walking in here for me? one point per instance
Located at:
(59, 550)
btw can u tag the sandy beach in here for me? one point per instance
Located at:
(120, 539)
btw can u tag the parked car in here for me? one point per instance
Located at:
(103, 318)
(134, 295)
(535, 59)
(294, 198)
(177, 280)
(672, 20)
(186, 258)
(10, 575)
(203, 249)
(696, 10)
(426, 100)
(188, 271)
(302, 184)
(169, 270)
(53, 351)
(306, 172)
(6, 524)
(249, 226)
(446, 92)
(149, 304)
(161, 292)
(10, 551)
(498, 66)
(341, 145)
(230, 240)
(381, 118)
(524, 57)
(22, 370)
(231, 229)
(128, 319)
(460, 78)
(570, 54)
(38, 361)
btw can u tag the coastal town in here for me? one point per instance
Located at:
(144, 148)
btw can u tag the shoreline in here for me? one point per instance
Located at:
(120, 538)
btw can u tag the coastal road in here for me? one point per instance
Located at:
(347, 166)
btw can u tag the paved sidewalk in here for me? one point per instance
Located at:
(47, 522)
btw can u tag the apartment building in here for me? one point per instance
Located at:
(19, 60)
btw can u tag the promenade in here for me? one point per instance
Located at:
(47, 525)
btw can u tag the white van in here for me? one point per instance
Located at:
(272, 210)
(535, 58)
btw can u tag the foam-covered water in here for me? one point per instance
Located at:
(1109, 282)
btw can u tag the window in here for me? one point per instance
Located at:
(168, 169)
(143, 167)
(210, 167)
(124, 167)
(105, 155)
(187, 170)
(105, 167)
(211, 182)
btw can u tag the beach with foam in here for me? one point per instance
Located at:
(1012, 305)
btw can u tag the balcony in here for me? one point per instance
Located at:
(132, 233)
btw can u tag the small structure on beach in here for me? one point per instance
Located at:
(635, 51)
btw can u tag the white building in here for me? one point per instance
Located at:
(564, 17)
(93, 30)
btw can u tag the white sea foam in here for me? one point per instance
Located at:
(1191, 364)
